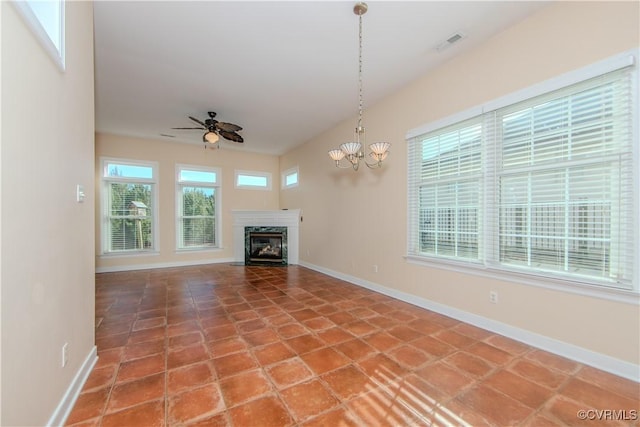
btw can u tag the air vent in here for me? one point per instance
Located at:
(453, 38)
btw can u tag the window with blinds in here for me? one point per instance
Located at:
(129, 206)
(449, 189)
(544, 185)
(197, 194)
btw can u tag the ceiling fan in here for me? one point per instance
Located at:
(215, 129)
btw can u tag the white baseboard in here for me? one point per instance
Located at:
(62, 411)
(162, 265)
(588, 357)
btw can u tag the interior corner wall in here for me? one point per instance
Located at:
(355, 223)
(1, 38)
(167, 155)
(47, 237)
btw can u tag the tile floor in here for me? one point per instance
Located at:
(254, 346)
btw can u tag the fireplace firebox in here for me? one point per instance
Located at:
(265, 246)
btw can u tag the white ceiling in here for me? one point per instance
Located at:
(285, 71)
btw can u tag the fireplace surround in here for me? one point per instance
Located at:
(287, 219)
(265, 246)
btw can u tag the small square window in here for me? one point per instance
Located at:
(290, 178)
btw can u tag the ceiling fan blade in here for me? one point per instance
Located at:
(228, 127)
(197, 121)
(231, 136)
(190, 128)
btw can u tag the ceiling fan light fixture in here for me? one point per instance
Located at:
(214, 130)
(210, 137)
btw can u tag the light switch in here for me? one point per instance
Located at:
(80, 193)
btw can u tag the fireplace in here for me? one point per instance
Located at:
(265, 246)
(289, 219)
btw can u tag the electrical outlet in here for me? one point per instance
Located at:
(375, 268)
(65, 354)
(493, 297)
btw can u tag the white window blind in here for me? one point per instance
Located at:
(543, 186)
(564, 176)
(447, 177)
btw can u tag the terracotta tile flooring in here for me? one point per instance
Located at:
(255, 346)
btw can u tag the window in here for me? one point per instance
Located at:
(129, 195)
(539, 185)
(290, 178)
(197, 207)
(450, 190)
(253, 180)
(46, 20)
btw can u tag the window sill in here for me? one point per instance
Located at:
(129, 254)
(576, 287)
(195, 250)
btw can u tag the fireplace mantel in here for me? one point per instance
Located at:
(282, 218)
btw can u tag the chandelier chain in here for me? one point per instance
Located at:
(360, 72)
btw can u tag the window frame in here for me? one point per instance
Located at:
(216, 185)
(38, 28)
(104, 208)
(575, 284)
(287, 173)
(254, 174)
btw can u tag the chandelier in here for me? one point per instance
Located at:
(354, 151)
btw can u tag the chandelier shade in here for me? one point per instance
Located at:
(350, 148)
(379, 157)
(380, 147)
(336, 154)
(353, 151)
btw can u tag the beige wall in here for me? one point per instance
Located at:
(167, 155)
(47, 237)
(353, 221)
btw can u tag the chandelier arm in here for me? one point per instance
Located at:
(341, 166)
(351, 164)
(375, 165)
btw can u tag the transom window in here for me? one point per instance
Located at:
(46, 21)
(129, 206)
(290, 178)
(253, 180)
(542, 185)
(197, 207)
